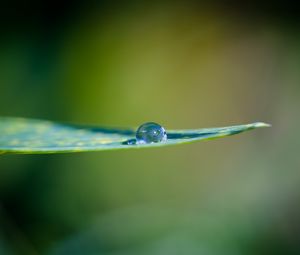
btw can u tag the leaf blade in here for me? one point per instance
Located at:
(31, 136)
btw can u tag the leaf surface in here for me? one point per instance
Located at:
(31, 136)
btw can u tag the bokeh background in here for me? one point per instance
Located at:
(183, 64)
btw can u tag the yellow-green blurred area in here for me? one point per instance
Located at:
(182, 64)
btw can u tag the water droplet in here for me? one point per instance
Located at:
(130, 142)
(151, 132)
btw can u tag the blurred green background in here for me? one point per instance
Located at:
(183, 64)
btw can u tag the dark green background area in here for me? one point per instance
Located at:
(183, 64)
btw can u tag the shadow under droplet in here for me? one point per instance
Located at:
(187, 136)
(197, 135)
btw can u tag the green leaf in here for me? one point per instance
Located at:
(20, 135)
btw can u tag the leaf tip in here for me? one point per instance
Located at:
(261, 124)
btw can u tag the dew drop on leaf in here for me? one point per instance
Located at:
(151, 132)
(130, 142)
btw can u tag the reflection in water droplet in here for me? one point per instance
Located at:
(151, 132)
